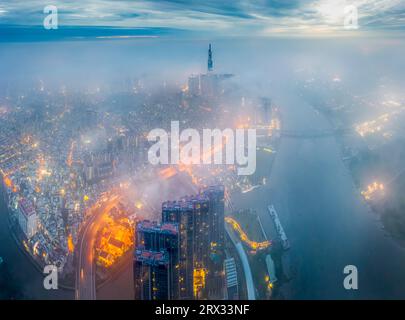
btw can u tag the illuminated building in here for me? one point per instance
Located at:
(180, 212)
(231, 277)
(27, 217)
(215, 195)
(151, 275)
(216, 236)
(201, 241)
(162, 237)
(116, 238)
(207, 84)
(199, 282)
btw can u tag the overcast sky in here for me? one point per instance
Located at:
(228, 17)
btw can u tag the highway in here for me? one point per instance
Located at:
(85, 271)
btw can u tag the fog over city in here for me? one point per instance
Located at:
(81, 193)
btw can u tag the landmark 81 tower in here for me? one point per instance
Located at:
(210, 63)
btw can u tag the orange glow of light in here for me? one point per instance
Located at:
(199, 275)
(243, 236)
(372, 189)
(71, 246)
(167, 173)
(42, 171)
(139, 205)
(205, 157)
(8, 182)
(116, 237)
(242, 126)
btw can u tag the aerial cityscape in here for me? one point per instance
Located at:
(167, 150)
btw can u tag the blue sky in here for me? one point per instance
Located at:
(229, 17)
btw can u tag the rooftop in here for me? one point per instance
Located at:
(153, 226)
(26, 207)
(152, 257)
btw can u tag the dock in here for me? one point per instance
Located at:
(279, 228)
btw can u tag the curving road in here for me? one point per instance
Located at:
(85, 271)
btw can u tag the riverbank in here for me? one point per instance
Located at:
(26, 279)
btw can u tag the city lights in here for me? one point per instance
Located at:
(373, 190)
(179, 151)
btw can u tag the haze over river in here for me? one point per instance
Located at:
(324, 216)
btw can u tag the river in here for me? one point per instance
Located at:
(328, 224)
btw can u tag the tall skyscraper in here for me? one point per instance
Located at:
(210, 62)
(201, 242)
(215, 195)
(207, 84)
(157, 238)
(216, 236)
(182, 212)
(151, 275)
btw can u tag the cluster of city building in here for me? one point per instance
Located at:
(183, 256)
(52, 176)
(58, 156)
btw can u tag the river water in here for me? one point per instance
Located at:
(324, 216)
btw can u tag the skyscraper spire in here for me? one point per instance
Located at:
(210, 63)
